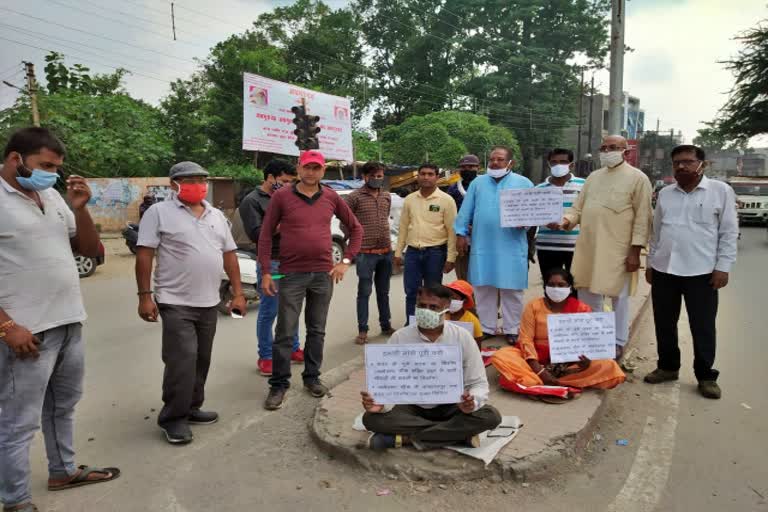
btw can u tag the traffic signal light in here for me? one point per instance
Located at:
(306, 129)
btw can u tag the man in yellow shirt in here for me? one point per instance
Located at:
(426, 228)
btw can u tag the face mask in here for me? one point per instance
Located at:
(688, 178)
(428, 319)
(497, 173)
(38, 180)
(276, 186)
(468, 176)
(193, 192)
(611, 159)
(456, 305)
(557, 294)
(375, 182)
(560, 170)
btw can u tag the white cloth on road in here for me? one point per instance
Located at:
(620, 304)
(39, 283)
(487, 298)
(694, 233)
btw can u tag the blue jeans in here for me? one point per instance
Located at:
(373, 269)
(422, 267)
(265, 319)
(34, 391)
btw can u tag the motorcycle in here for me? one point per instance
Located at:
(131, 235)
(248, 280)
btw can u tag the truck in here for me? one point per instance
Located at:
(752, 195)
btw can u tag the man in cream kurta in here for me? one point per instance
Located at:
(614, 210)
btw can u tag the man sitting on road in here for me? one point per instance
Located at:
(439, 425)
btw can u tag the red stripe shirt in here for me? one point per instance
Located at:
(305, 229)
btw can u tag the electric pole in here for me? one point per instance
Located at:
(581, 117)
(32, 90)
(655, 145)
(590, 145)
(617, 66)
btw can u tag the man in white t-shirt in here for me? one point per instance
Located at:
(41, 315)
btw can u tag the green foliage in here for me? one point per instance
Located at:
(443, 138)
(746, 112)
(185, 117)
(366, 149)
(244, 173)
(60, 78)
(712, 138)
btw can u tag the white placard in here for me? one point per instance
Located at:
(268, 120)
(576, 334)
(414, 374)
(530, 207)
(467, 326)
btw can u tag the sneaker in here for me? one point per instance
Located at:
(178, 433)
(297, 356)
(316, 389)
(380, 442)
(275, 399)
(202, 417)
(265, 367)
(658, 376)
(710, 389)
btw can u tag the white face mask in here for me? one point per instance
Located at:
(456, 305)
(497, 173)
(560, 170)
(557, 294)
(612, 158)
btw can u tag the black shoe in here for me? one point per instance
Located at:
(710, 389)
(202, 417)
(316, 389)
(658, 376)
(275, 399)
(178, 433)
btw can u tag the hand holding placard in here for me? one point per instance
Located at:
(581, 334)
(530, 207)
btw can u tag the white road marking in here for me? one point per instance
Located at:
(650, 471)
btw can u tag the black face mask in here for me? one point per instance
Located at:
(468, 176)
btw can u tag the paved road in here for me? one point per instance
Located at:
(685, 452)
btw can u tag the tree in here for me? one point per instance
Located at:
(186, 118)
(712, 138)
(443, 138)
(366, 149)
(746, 112)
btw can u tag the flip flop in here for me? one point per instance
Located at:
(82, 478)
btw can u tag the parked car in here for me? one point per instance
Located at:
(87, 266)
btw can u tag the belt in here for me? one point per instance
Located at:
(410, 247)
(376, 251)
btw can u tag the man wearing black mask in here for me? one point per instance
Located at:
(468, 167)
(371, 205)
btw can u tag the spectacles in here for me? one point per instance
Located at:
(612, 147)
(684, 163)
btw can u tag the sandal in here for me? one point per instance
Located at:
(81, 478)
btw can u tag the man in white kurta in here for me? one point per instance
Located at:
(614, 210)
(498, 263)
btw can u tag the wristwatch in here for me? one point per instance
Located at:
(346, 261)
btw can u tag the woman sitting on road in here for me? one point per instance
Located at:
(527, 365)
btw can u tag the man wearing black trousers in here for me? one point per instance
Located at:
(695, 228)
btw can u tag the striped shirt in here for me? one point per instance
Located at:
(557, 240)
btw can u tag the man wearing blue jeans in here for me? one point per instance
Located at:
(41, 314)
(371, 206)
(426, 228)
(253, 208)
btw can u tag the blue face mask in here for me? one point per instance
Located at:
(39, 180)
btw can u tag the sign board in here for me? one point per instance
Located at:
(414, 374)
(589, 334)
(530, 207)
(268, 120)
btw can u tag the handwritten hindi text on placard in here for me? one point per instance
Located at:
(530, 207)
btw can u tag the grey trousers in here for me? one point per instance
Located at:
(440, 426)
(35, 391)
(188, 334)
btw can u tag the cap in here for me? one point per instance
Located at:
(469, 160)
(311, 157)
(183, 169)
(465, 289)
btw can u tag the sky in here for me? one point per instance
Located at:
(674, 67)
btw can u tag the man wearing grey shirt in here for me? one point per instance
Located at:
(193, 244)
(692, 250)
(438, 425)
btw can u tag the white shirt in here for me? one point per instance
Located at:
(39, 284)
(190, 252)
(475, 379)
(694, 233)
